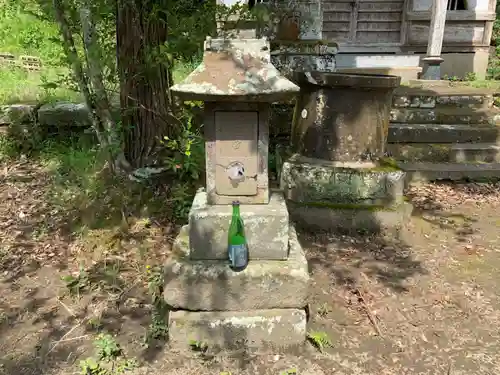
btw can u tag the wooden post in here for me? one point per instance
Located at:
(433, 60)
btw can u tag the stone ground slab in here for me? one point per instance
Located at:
(237, 329)
(266, 228)
(212, 285)
(358, 220)
(308, 180)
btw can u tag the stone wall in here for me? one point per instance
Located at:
(429, 120)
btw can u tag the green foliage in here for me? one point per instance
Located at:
(77, 284)
(319, 339)
(110, 359)
(158, 328)
(107, 348)
(22, 31)
(198, 346)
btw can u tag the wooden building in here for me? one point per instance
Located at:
(374, 34)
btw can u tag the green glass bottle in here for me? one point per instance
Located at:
(237, 242)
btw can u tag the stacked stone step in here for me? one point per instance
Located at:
(262, 306)
(427, 122)
(445, 132)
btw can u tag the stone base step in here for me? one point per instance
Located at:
(443, 97)
(441, 133)
(452, 115)
(450, 171)
(475, 153)
(420, 152)
(275, 328)
(212, 286)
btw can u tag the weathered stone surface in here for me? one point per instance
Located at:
(64, 115)
(417, 172)
(475, 152)
(438, 133)
(248, 73)
(446, 101)
(266, 228)
(474, 101)
(307, 56)
(212, 285)
(16, 113)
(342, 117)
(238, 329)
(312, 181)
(352, 220)
(443, 116)
(415, 152)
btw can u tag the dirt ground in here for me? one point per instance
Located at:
(427, 303)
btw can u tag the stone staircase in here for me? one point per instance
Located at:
(445, 133)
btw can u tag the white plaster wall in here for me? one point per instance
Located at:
(376, 61)
(425, 5)
(477, 5)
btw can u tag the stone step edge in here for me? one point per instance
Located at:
(235, 329)
(451, 127)
(199, 285)
(450, 171)
(475, 146)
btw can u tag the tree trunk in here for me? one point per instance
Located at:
(145, 78)
(93, 54)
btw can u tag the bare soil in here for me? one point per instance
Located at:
(426, 303)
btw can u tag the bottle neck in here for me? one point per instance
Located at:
(236, 210)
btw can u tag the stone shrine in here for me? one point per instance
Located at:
(211, 304)
(338, 177)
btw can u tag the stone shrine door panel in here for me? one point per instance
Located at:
(236, 140)
(363, 22)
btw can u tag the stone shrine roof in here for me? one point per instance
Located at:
(236, 70)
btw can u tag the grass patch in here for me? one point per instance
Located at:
(20, 86)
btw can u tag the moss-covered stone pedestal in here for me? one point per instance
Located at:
(344, 196)
(338, 178)
(259, 307)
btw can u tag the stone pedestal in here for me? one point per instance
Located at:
(260, 306)
(338, 178)
(265, 303)
(351, 197)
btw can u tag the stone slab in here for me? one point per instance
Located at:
(17, 113)
(417, 152)
(213, 286)
(475, 152)
(64, 114)
(452, 115)
(417, 172)
(441, 133)
(231, 330)
(333, 219)
(308, 180)
(266, 228)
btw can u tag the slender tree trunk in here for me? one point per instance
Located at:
(98, 104)
(94, 56)
(145, 78)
